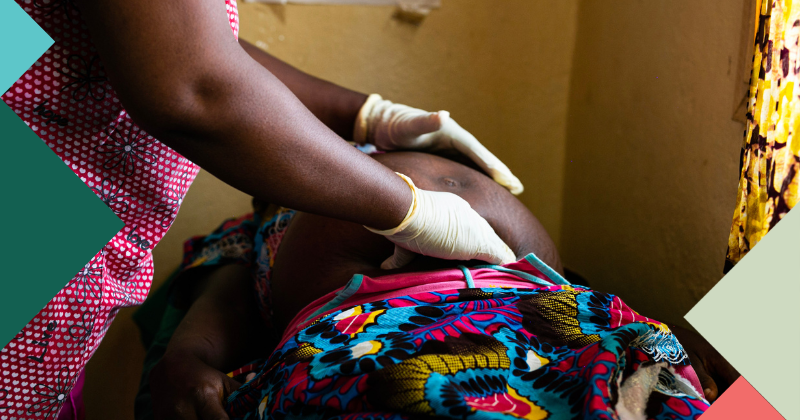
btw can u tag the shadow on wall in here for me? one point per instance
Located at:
(652, 151)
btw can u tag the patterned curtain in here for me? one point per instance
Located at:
(770, 159)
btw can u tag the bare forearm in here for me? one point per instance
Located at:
(335, 106)
(184, 78)
(222, 327)
(254, 134)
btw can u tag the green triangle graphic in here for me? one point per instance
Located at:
(751, 316)
(53, 224)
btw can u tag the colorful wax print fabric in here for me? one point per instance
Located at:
(230, 243)
(251, 240)
(770, 159)
(545, 352)
(67, 100)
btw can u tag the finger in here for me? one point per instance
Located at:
(180, 411)
(414, 124)
(504, 177)
(495, 168)
(501, 254)
(232, 385)
(725, 372)
(706, 381)
(400, 258)
(212, 412)
(211, 408)
(497, 252)
(467, 144)
(211, 403)
(492, 248)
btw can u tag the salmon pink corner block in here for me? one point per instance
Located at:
(741, 401)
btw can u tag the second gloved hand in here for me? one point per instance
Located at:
(443, 225)
(391, 126)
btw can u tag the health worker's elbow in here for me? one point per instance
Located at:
(174, 111)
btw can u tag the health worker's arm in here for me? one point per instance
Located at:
(387, 125)
(335, 106)
(181, 74)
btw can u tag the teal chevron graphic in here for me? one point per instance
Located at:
(53, 224)
(751, 316)
(22, 42)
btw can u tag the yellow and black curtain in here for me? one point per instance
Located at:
(770, 159)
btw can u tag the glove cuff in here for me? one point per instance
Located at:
(412, 210)
(361, 127)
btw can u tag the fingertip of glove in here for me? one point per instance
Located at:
(437, 119)
(511, 183)
(501, 255)
(388, 264)
(419, 124)
(400, 258)
(509, 257)
(503, 176)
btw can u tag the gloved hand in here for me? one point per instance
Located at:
(443, 225)
(391, 126)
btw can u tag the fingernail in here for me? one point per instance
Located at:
(436, 117)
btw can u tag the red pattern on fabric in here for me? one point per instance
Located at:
(65, 98)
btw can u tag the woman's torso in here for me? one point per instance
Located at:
(318, 255)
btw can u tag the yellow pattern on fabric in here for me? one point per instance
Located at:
(770, 161)
(404, 383)
(366, 348)
(535, 413)
(354, 311)
(263, 406)
(561, 311)
(369, 321)
(302, 352)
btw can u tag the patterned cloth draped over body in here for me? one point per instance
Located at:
(66, 99)
(770, 159)
(484, 350)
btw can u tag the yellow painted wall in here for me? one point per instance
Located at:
(652, 150)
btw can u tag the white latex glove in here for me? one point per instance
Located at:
(391, 126)
(443, 225)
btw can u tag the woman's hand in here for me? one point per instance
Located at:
(714, 372)
(221, 331)
(391, 126)
(186, 388)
